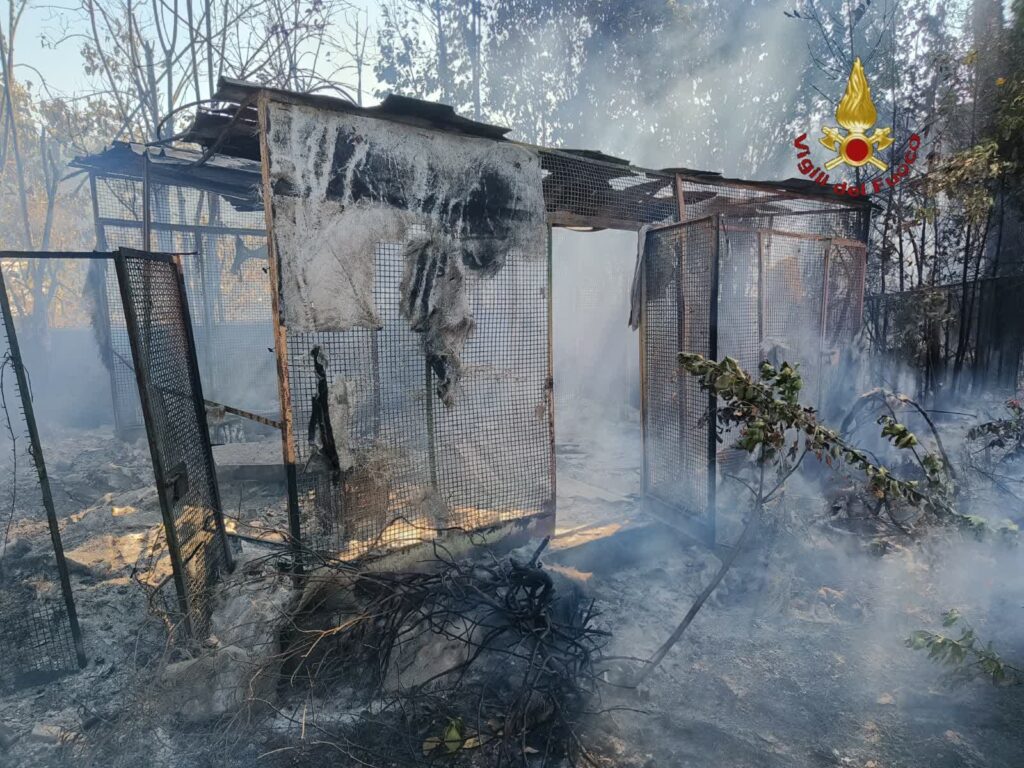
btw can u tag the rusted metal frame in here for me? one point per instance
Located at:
(645, 468)
(199, 404)
(846, 242)
(36, 450)
(823, 320)
(244, 414)
(159, 226)
(280, 338)
(549, 383)
(712, 447)
(567, 219)
(673, 225)
(166, 505)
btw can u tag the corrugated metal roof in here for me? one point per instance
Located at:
(237, 179)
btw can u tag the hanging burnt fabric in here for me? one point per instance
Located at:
(329, 416)
(415, 260)
(434, 302)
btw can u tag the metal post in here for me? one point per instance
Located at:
(712, 447)
(428, 384)
(280, 342)
(823, 322)
(44, 480)
(644, 469)
(550, 381)
(147, 216)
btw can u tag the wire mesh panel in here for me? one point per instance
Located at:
(228, 291)
(792, 291)
(679, 315)
(418, 467)
(39, 634)
(164, 360)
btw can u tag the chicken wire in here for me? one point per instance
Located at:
(786, 288)
(680, 279)
(39, 634)
(420, 468)
(228, 290)
(171, 397)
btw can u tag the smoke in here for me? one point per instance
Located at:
(596, 354)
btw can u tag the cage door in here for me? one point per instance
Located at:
(679, 299)
(167, 372)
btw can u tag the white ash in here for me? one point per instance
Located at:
(327, 254)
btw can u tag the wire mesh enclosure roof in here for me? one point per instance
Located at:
(582, 188)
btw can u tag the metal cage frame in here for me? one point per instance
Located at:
(582, 190)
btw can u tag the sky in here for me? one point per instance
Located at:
(60, 63)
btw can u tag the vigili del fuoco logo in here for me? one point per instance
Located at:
(854, 144)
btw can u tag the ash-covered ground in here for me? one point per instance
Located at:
(797, 660)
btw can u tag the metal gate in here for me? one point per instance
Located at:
(680, 314)
(39, 633)
(164, 356)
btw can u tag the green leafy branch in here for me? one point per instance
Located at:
(768, 415)
(966, 656)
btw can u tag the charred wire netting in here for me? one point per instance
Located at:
(940, 329)
(39, 637)
(414, 291)
(163, 354)
(787, 288)
(228, 291)
(679, 264)
(589, 189)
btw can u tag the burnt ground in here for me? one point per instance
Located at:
(798, 660)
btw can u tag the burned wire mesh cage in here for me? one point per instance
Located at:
(228, 288)
(164, 360)
(420, 468)
(785, 287)
(39, 637)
